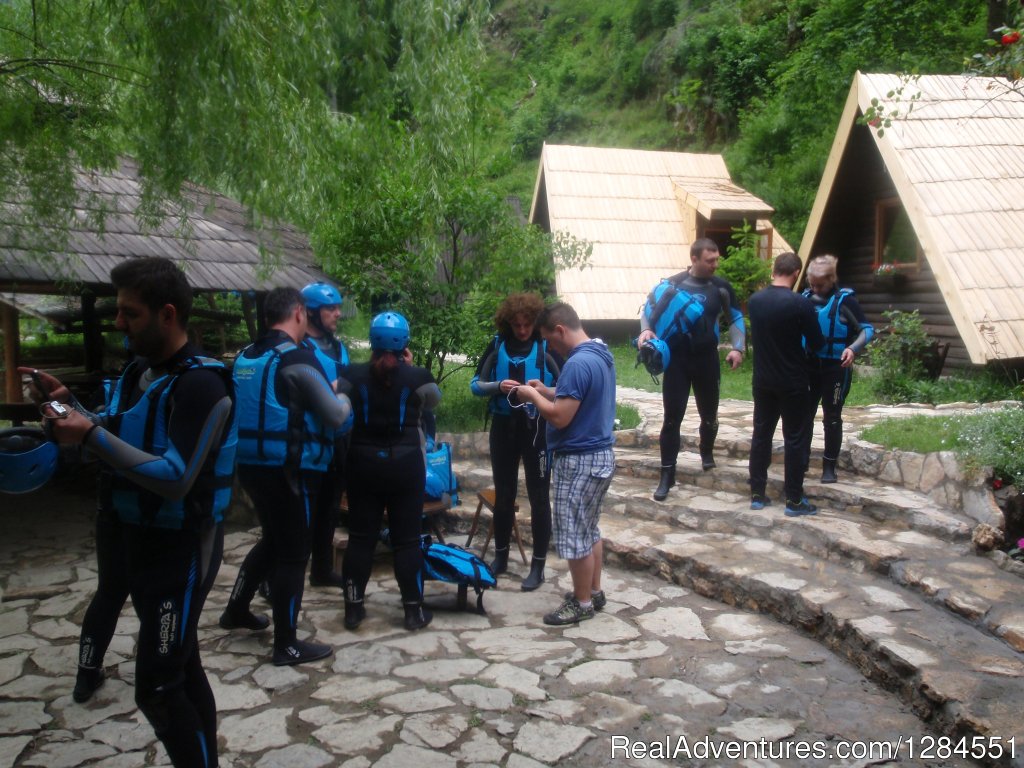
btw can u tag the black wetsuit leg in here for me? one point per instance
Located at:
(814, 378)
(767, 411)
(505, 453)
(793, 410)
(171, 573)
(284, 503)
(393, 482)
(321, 529)
(112, 591)
(687, 370)
(706, 379)
(834, 387)
(538, 484)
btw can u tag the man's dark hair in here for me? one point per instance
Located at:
(786, 264)
(700, 245)
(559, 313)
(157, 282)
(279, 304)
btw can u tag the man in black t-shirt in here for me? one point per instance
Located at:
(780, 320)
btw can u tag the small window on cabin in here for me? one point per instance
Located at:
(895, 241)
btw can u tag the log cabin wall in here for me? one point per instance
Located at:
(848, 231)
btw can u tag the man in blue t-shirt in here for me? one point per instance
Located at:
(580, 414)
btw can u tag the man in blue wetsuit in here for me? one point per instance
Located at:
(693, 362)
(288, 414)
(323, 308)
(168, 443)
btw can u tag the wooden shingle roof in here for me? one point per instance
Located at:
(957, 162)
(637, 208)
(215, 243)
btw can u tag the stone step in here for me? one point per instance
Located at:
(939, 568)
(857, 495)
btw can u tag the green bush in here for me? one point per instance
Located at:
(896, 356)
(742, 266)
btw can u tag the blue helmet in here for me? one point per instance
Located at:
(389, 330)
(27, 459)
(317, 295)
(655, 356)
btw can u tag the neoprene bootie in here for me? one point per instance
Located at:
(828, 471)
(668, 479)
(416, 616)
(500, 562)
(355, 611)
(535, 577)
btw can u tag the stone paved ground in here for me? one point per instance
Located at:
(470, 690)
(662, 661)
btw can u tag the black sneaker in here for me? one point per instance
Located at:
(800, 508)
(86, 684)
(243, 620)
(569, 612)
(598, 599)
(759, 501)
(329, 579)
(300, 652)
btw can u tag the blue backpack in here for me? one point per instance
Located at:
(455, 565)
(671, 311)
(440, 475)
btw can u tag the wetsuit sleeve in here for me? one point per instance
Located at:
(857, 321)
(429, 394)
(200, 409)
(733, 317)
(310, 386)
(483, 384)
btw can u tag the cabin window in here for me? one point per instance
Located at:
(895, 241)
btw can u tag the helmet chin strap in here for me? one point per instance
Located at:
(316, 322)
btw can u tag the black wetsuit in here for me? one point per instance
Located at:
(167, 572)
(322, 524)
(829, 381)
(694, 363)
(516, 435)
(285, 494)
(780, 320)
(386, 471)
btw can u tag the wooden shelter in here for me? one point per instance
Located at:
(214, 241)
(640, 210)
(929, 215)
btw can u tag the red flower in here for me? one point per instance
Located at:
(1010, 38)
(874, 122)
(997, 483)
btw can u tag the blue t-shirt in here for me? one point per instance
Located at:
(588, 376)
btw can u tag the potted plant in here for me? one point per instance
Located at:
(889, 277)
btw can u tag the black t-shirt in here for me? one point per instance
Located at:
(779, 321)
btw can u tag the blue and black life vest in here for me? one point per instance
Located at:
(522, 368)
(670, 311)
(332, 367)
(268, 433)
(835, 331)
(144, 426)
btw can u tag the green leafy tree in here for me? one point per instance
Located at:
(743, 266)
(227, 93)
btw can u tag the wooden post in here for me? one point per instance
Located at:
(249, 315)
(91, 335)
(12, 351)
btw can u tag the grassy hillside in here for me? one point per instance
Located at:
(762, 81)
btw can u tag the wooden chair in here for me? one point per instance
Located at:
(431, 509)
(486, 498)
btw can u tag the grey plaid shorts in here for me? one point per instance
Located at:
(579, 482)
